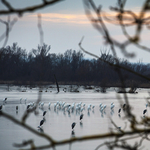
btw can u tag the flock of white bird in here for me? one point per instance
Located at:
(79, 108)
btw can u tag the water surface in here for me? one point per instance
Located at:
(58, 123)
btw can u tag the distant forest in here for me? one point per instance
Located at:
(39, 65)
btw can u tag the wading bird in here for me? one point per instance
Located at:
(81, 117)
(119, 110)
(16, 108)
(49, 105)
(44, 113)
(4, 100)
(41, 123)
(28, 106)
(144, 111)
(73, 125)
(124, 106)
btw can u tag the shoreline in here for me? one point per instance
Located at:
(85, 84)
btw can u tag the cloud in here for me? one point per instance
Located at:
(78, 19)
(63, 18)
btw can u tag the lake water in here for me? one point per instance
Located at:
(58, 123)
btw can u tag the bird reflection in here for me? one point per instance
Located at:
(73, 133)
(69, 114)
(40, 130)
(44, 119)
(64, 113)
(81, 124)
(88, 113)
(42, 108)
(112, 112)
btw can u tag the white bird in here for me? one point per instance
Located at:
(4, 100)
(100, 104)
(82, 109)
(49, 105)
(69, 109)
(102, 108)
(63, 104)
(77, 108)
(25, 100)
(42, 104)
(105, 106)
(112, 103)
(72, 106)
(20, 100)
(112, 106)
(31, 104)
(89, 108)
(55, 104)
(80, 103)
(84, 105)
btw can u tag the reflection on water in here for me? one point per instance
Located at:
(88, 113)
(81, 124)
(72, 133)
(62, 110)
(112, 111)
(40, 129)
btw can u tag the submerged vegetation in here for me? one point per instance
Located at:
(71, 67)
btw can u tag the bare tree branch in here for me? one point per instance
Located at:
(40, 29)
(9, 24)
(27, 9)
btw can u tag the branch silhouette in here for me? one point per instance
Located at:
(120, 136)
(20, 12)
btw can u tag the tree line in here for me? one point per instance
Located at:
(16, 64)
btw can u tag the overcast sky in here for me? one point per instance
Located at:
(65, 23)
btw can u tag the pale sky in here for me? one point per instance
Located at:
(65, 23)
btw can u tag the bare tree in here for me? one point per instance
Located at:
(137, 128)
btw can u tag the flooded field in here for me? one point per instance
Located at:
(58, 119)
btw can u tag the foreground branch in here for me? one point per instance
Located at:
(27, 9)
(73, 139)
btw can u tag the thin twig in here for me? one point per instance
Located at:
(40, 29)
(27, 9)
